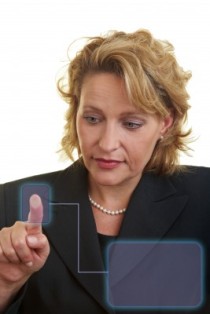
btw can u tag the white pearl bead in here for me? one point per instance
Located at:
(106, 211)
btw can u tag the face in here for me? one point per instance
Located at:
(116, 139)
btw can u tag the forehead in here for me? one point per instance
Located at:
(106, 87)
(107, 91)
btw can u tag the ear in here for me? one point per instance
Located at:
(166, 124)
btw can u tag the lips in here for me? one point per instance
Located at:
(107, 163)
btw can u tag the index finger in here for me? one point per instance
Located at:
(35, 215)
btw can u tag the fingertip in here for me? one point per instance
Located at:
(35, 215)
(35, 201)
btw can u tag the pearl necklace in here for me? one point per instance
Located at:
(106, 211)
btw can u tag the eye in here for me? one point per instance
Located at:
(91, 119)
(132, 124)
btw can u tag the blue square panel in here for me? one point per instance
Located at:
(43, 190)
(154, 275)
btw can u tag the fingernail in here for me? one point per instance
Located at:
(29, 264)
(32, 239)
(35, 200)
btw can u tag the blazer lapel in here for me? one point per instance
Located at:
(154, 207)
(72, 231)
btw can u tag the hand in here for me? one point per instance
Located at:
(23, 248)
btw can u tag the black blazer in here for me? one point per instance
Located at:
(73, 279)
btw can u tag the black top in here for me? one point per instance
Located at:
(104, 241)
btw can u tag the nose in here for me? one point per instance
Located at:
(109, 138)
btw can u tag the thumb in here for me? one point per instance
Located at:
(35, 215)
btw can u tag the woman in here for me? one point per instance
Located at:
(127, 107)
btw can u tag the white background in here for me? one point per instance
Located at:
(34, 38)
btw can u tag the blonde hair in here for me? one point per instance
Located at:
(154, 81)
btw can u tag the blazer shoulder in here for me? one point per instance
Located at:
(48, 176)
(14, 192)
(193, 178)
(195, 172)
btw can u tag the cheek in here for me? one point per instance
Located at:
(152, 137)
(150, 145)
(77, 125)
(80, 130)
(143, 150)
(80, 140)
(84, 138)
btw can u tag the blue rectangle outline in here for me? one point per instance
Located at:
(203, 272)
(21, 201)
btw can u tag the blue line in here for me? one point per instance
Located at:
(78, 242)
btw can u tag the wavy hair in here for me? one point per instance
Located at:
(154, 81)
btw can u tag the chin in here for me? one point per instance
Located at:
(106, 181)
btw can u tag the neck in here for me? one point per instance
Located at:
(112, 197)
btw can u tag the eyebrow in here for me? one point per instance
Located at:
(125, 113)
